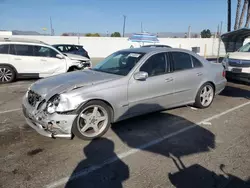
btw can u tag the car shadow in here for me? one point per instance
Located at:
(180, 137)
(171, 134)
(231, 91)
(199, 177)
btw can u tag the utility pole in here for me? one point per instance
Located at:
(189, 31)
(228, 15)
(124, 25)
(141, 28)
(51, 27)
(218, 55)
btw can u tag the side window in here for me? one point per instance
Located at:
(24, 50)
(182, 61)
(12, 49)
(196, 62)
(4, 49)
(155, 65)
(60, 48)
(43, 51)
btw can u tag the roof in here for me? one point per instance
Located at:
(66, 45)
(149, 50)
(11, 39)
(234, 40)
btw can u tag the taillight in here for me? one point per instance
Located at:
(224, 73)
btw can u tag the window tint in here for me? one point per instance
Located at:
(4, 49)
(155, 65)
(25, 50)
(196, 62)
(182, 61)
(43, 51)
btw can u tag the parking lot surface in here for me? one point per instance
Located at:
(182, 147)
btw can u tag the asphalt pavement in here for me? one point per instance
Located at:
(182, 147)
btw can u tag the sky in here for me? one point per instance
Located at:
(107, 15)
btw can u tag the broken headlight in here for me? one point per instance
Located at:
(52, 104)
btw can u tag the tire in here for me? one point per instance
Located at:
(89, 120)
(7, 74)
(209, 96)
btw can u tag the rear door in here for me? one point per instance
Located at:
(4, 51)
(22, 58)
(156, 91)
(50, 64)
(187, 75)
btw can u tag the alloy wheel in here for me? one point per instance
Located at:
(206, 95)
(92, 121)
(5, 74)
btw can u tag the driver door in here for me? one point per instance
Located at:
(156, 91)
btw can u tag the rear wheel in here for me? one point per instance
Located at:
(205, 96)
(7, 74)
(93, 121)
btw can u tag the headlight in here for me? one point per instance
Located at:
(53, 104)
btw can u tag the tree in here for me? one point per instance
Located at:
(92, 35)
(206, 33)
(65, 34)
(248, 15)
(116, 34)
(236, 25)
(244, 8)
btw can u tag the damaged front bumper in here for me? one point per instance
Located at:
(49, 125)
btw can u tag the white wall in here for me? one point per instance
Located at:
(104, 46)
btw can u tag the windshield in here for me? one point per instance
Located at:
(245, 48)
(119, 63)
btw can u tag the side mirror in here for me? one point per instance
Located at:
(59, 56)
(141, 75)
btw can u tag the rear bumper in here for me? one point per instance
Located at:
(220, 86)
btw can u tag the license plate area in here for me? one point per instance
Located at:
(236, 70)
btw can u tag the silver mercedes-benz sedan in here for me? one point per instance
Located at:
(127, 83)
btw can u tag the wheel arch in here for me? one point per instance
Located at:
(7, 64)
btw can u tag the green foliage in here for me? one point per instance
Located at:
(92, 35)
(116, 34)
(206, 33)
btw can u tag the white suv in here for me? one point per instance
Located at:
(23, 58)
(237, 64)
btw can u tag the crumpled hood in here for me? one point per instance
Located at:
(50, 86)
(76, 57)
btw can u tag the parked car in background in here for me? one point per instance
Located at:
(73, 49)
(157, 45)
(24, 58)
(237, 64)
(127, 83)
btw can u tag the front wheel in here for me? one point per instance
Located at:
(93, 121)
(205, 96)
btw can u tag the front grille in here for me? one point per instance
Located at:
(33, 98)
(239, 63)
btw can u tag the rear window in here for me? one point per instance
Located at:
(25, 50)
(4, 49)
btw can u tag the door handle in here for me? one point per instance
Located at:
(17, 58)
(43, 60)
(169, 79)
(199, 74)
